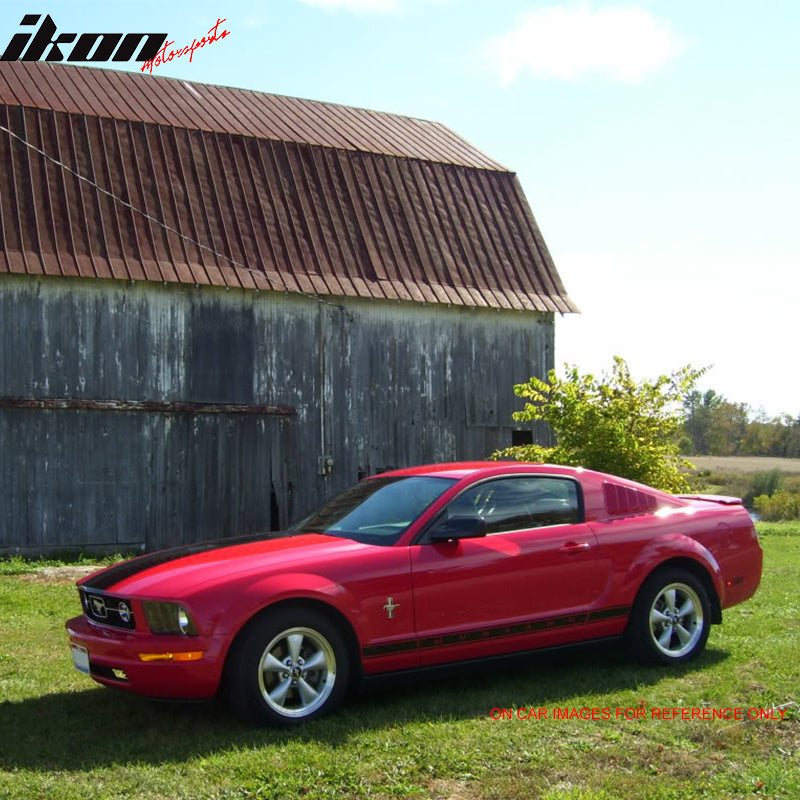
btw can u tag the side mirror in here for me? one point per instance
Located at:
(458, 528)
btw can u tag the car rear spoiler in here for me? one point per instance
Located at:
(722, 499)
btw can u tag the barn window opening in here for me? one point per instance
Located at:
(521, 437)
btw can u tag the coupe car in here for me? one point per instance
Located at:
(415, 568)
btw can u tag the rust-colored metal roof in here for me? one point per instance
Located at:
(181, 104)
(199, 184)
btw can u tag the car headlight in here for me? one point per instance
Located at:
(168, 618)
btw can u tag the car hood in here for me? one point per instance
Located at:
(173, 572)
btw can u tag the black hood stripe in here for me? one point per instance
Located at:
(127, 569)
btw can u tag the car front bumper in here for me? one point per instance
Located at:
(115, 660)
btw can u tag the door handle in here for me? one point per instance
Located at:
(574, 547)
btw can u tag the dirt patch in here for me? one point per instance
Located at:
(442, 789)
(59, 575)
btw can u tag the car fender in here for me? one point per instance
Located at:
(666, 548)
(253, 598)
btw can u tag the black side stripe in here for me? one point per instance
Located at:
(608, 613)
(394, 647)
(520, 629)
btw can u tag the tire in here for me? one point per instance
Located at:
(671, 618)
(269, 681)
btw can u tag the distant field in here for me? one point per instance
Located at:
(747, 464)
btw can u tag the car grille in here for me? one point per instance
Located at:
(107, 610)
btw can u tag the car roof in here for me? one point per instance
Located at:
(463, 469)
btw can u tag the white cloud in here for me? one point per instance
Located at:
(568, 43)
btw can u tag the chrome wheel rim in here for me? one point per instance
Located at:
(676, 620)
(296, 672)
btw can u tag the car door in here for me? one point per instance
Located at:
(529, 582)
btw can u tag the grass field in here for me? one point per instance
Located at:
(746, 464)
(62, 736)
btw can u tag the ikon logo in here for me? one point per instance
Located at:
(89, 47)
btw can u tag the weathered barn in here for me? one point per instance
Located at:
(219, 307)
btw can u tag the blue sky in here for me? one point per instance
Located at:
(657, 143)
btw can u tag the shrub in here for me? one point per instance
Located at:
(782, 505)
(734, 484)
(791, 483)
(763, 483)
(613, 424)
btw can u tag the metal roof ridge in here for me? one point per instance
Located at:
(429, 138)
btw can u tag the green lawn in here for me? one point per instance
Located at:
(62, 736)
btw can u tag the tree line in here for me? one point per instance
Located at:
(715, 426)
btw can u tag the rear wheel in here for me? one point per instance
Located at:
(670, 619)
(289, 666)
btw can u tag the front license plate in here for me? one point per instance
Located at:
(80, 657)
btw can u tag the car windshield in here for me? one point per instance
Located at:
(377, 510)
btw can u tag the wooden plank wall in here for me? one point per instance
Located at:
(374, 385)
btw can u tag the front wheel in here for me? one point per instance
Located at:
(670, 619)
(290, 666)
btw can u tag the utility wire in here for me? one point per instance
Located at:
(163, 225)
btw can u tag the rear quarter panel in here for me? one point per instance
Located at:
(730, 535)
(720, 539)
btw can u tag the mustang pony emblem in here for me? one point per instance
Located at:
(99, 607)
(390, 606)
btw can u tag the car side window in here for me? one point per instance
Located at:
(519, 503)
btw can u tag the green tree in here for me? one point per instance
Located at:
(699, 408)
(612, 424)
(787, 444)
(761, 437)
(714, 425)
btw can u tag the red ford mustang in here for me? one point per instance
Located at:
(414, 568)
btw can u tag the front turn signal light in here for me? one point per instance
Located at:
(194, 655)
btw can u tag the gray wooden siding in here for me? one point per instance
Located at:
(374, 384)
